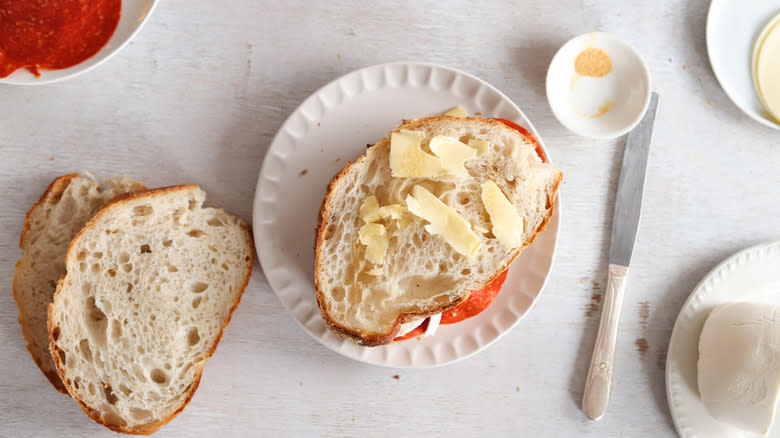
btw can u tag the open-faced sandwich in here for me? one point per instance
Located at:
(421, 230)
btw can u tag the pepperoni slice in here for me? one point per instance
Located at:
(478, 301)
(419, 331)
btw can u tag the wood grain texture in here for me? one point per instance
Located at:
(197, 98)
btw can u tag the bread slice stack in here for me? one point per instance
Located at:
(65, 207)
(151, 282)
(422, 220)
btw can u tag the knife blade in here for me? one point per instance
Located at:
(628, 208)
(628, 203)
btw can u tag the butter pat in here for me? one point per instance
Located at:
(444, 221)
(369, 210)
(458, 111)
(739, 364)
(408, 160)
(481, 146)
(374, 236)
(453, 154)
(507, 223)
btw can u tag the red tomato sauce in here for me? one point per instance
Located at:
(478, 300)
(53, 34)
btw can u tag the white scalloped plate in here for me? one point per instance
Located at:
(333, 126)
(749, 275)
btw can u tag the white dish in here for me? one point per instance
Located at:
(733, 26)
(749, 275)
(599, 107)
(333, 126)
(760, 57)
(134, 15)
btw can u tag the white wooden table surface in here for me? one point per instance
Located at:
(197, 97)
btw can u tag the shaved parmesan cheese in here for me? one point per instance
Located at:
(481, 146)
(369, 210)
(444, 221)
(507, 223)
(408, 160)
(453, 154)
(457, 111)
(393, 211)
(375, 238)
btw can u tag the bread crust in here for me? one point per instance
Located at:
(153, 427)
(54, 191)
(373, 340)
(52, 194)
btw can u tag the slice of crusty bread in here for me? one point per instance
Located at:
(152, 281)
(423, 275)
(50, 225)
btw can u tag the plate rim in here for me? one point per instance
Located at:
(556, 219)
(697, 292)
(77, 69)
(709, 36)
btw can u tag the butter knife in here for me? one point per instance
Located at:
(628, 206)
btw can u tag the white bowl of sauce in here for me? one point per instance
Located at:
(598, 86)
(60, 40)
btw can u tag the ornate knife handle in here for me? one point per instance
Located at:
(599, 382)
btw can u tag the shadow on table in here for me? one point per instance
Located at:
(670, 303)
(696, 25)
(533, 75)
(662, 320)
(261, 107)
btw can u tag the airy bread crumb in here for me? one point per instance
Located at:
(152, 281)
(422, 275)
(63, 209)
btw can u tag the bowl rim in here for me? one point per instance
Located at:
(645, 76)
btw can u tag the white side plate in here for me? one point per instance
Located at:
(333, 126)
(134, 15)
(749, 275)
(732, 29)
